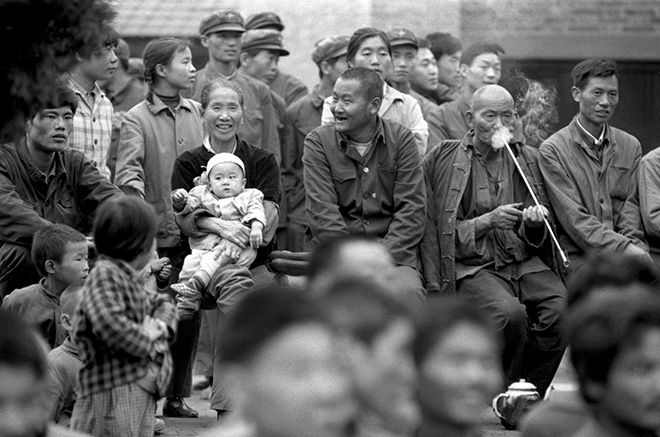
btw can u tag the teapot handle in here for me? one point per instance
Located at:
(497, 398)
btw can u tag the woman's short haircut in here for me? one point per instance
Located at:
(362, 34)
(105, 36)
(124, 228)
(439, 316)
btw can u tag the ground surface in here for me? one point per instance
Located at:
(207, 418)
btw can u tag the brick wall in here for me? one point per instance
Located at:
(560, 29)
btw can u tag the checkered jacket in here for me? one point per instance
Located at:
(108, 330)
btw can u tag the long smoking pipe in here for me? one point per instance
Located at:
(503, 136)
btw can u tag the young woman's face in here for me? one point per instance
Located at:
(373, 54)
(180, 72)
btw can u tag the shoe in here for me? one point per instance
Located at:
(159, 425)
(184, 289)
(176, 407)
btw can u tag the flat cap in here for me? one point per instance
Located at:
(402, 37)
(221, 21)
(264, 39)
(330, 48)
(264, 20)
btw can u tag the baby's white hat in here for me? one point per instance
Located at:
(220, 158)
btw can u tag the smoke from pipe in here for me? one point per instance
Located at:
(536, 103)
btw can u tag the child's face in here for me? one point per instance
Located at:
(226, 180)
(73, 266)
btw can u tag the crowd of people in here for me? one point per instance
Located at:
(381, 255)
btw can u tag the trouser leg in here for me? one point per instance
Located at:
(543, 294)
(495, 295)
(183, 350)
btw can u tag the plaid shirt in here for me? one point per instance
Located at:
(108, 329)
(92, 126)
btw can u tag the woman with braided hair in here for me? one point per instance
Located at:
(155, 132)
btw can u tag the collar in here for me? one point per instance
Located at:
(213, 74)
(47, 293)
(35, 174)
(378, 137)
(69, 347)
(157, 104)
(316, 99)
(75, 86)
(586, 138)
(391, 95)
(207, 145)
(597, 141)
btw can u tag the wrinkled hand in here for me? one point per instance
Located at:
(256, 238)
(227, 250)
(179, 197)
(235, 233)
(505, 217)
(533, 216)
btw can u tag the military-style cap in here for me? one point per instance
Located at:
(221, 21)
(402, 37)
(264, 39)
(330, 48)
(264, 19)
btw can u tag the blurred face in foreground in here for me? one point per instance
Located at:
(460, 376)
(630, 399)
(385, 376)
(295, 387)
(22, 408)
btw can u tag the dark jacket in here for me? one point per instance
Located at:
(30, 201)
(447, 169)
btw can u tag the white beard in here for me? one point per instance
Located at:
(500, 138)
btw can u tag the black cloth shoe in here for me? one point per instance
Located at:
(176, 407)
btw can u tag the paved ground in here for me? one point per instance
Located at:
(193, 427)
